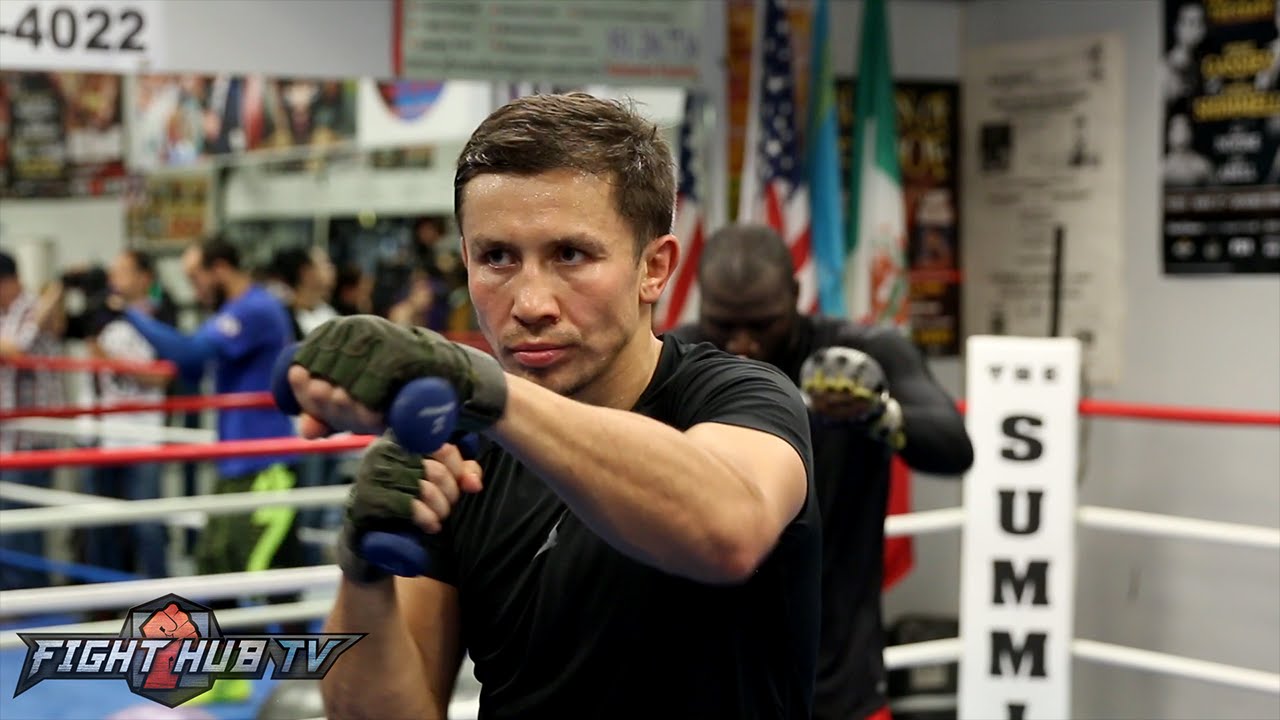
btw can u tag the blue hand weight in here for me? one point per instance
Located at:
(422, 416)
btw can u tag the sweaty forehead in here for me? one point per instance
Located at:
(504, 207)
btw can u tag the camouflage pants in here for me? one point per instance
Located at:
(264, 538)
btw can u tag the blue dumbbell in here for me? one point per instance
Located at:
(422, 416)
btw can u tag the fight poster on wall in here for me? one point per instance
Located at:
(169, 208)
(1043, 206)
(182, 120)
(1221, 171)
(61, 134)
(928, 155)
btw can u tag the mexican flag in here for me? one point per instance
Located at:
(875, 277)
(875, 270)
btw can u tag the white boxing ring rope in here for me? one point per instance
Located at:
(76, 510)
(98, 596)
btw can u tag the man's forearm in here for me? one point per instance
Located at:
(382, 675)
(643, 486)
(936, 440)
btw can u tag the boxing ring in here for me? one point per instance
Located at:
(1018, 561)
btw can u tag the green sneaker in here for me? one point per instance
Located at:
(228, 690)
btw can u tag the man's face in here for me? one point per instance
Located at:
(553, 276)
(753, 321)
(202, 279)
(126, 279)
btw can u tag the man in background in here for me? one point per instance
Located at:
(870, 396)
(243, 339)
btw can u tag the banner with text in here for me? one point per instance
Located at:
(1043, 213)
(565, 41)
(1221, 172)
(1017, 572)
(928, 156)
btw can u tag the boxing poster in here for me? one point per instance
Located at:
(169, 209)
(183, 120)
(1220, 76)
(62, 134)
(928, 156)
(1043, 205)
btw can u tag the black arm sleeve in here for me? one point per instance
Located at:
(936, 438)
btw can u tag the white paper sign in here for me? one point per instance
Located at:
(122, 36)
(1045, 121)
(1017, 570)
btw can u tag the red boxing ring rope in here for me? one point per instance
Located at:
(43, 459)
(226, 401)
(46, 459)
(258, 400)
(69, 364)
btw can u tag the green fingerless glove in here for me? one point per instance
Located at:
(381, 498)
(372, 358)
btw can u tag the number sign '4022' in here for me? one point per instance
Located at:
(85, 35)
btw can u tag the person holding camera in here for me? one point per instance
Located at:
(131, 283)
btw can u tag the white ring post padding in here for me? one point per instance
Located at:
(97, 514)
(48, 497)
(114, 430)
(110, 595)
(924, 521)
(929, 652)
(232, 618)
(1170, 526)
(1174, 665)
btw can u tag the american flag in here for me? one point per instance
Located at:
(679, 303)
(773, 189)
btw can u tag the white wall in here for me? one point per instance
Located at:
(82, 230)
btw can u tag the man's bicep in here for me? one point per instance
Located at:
(772, 465)
(432, 612)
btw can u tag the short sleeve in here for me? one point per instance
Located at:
(733, 391)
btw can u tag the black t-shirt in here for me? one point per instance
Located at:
(852, 479)
(560, 624)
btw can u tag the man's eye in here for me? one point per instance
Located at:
(497, 258)
(570, 255)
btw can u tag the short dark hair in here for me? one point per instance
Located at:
(218, 249)
(577, 131)
(141, 260)
(289, 264)
(8, 267)
(743, 252)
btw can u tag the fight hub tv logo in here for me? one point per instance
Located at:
(170, 650)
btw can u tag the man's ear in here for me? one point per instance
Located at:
(657, 264)
(466, 256)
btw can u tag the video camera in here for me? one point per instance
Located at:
(86, 301)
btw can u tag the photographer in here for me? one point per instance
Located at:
(130, 283)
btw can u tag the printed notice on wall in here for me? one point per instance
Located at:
(1043, 196)
(1220, 75)
(657, 42)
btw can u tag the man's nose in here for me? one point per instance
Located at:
(535, 299)
(742, 342)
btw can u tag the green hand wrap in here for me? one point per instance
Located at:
(372, 358)
(381, 498)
